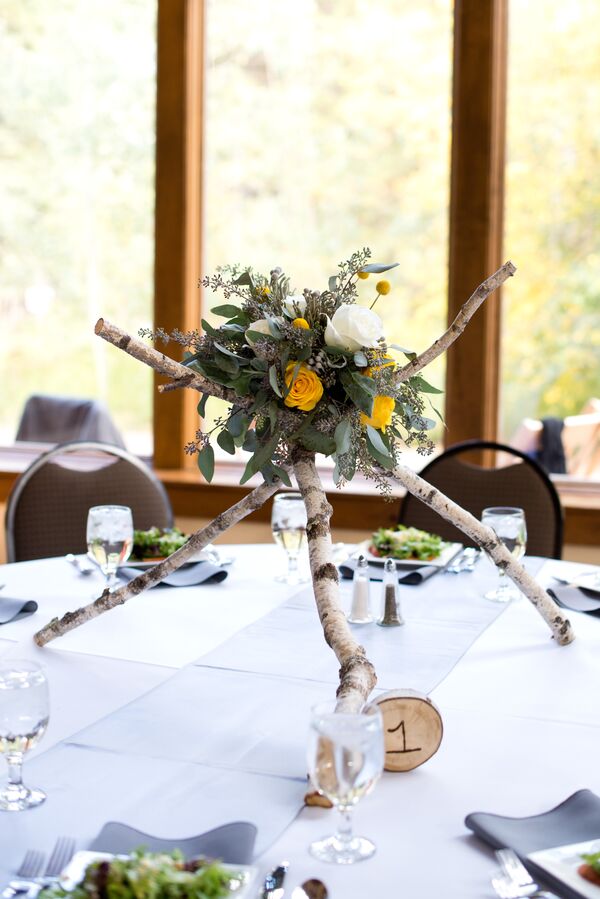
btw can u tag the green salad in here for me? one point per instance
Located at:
(156, 543)
(148, 875)
(401, 542)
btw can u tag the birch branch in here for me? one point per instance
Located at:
(357, 674)
(70, 620)
(467, 311)
(488, 541)
(164, 365)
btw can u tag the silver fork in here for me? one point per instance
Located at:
(505, 888)
(518, 875)
(63, 852)
(31, 866)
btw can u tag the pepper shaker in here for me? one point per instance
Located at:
(360, 612)
(390, 615)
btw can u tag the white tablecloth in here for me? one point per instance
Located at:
(521, 719)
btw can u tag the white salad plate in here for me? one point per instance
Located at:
(449, 551)
(562, 863)
(74, 872)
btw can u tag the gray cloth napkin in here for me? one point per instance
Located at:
(415, 574)
(577, 599)
(231, 843)
(186, 576)
(13, 609)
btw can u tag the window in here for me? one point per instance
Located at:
(76, 222)
(327, 128)
(552, 323)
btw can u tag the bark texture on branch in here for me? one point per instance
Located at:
(357, 674)
(467, 311)
(70, 620)
(164, 365)
(488, 541)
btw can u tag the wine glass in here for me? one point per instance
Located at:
(345, 760)
(24, 711)
(288, 523)
(109, 538)
(508, 523)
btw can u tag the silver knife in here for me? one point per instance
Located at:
(273, 883)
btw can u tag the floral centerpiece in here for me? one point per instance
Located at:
(306, 373)
(311, 370)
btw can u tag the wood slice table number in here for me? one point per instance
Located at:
(412, 728)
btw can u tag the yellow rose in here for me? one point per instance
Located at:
(301, 323)
(381, 416)
(383, 287)
(306, 391)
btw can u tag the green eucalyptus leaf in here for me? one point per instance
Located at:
(420, 384)
(237, 423)
(374, 437)
(366, 383)
(259, 364)
(227, 310)
(201, 407)
(360, 360)
(245, 280)
(273, 412)
(241, 360)
(258, 335)
(343, 433)
(317, 442)
(225, 441)
(250, 441)
(384, 460)
(401, 349)
(362, 399)
(288, 387)
(332, 283)
(273, 381)
(208, 328)
(206, 461)
(282, 474)
(377, 267)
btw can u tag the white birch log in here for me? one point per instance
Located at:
(357, 674)
(164, 365)
(493, 546)
(70, 620)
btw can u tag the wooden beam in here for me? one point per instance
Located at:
(476, 213)
(178, 208)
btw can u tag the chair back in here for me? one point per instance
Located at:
(521, 483)
(62, 419)
(47, 509)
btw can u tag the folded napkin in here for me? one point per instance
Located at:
(576, 598)
(407, 574)
(186, 576)
(576, 820)
(13, 609)
(231, 843)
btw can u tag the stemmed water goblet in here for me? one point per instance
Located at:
(508, 523)
(345, 760)
(109, 538)
(24, 712)
(288, 523)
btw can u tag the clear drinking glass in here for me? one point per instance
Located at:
(109, 538)
(508, 523)
(24, 712)
(288, 523)
(345, 760)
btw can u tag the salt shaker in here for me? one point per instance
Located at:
(360, 612)
(390, 615)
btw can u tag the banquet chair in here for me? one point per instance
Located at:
(512, 480)
(46, 511)
(61, 419)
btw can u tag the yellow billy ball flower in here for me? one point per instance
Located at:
(306, 390)
(381, 415)
(383, 287)
(363, 275)
(264, 291)
(301, 323)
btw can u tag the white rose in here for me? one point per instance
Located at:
(261, 325)
(353, 327)
(295, 305)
